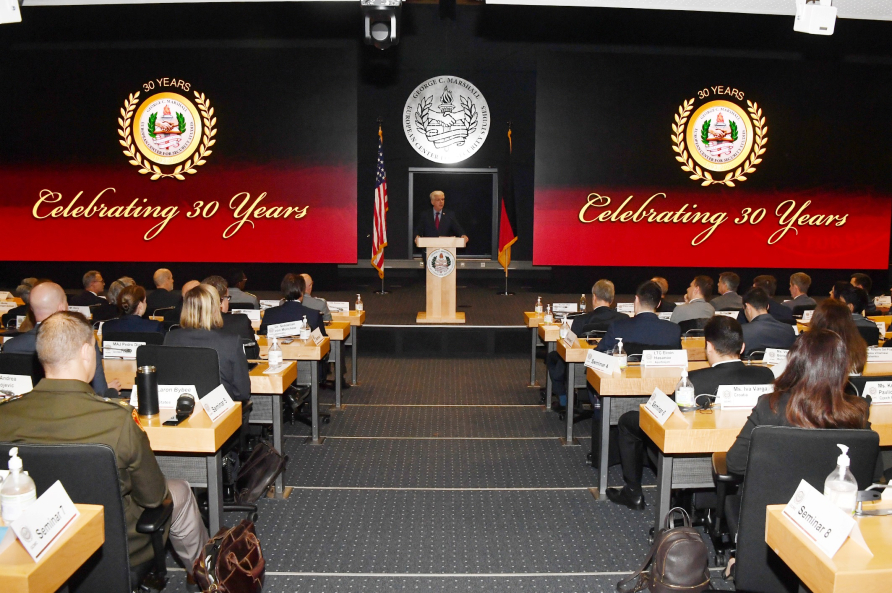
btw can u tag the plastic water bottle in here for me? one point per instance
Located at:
(539, 305)
(305, 329)
(840, 486)
(275, 353)
(18, 491)
(358, 303)
(684, 391)
(549, 318)
(582, 303)
(620, 354)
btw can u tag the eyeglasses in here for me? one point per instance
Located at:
(227, 298)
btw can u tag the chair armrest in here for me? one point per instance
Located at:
(720, 469)
(247, 405)
(154, 520)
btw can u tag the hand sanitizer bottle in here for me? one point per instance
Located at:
(840, 486)
(549, 318)
(684, 391)
(358, 303)
(305, 329)
(582, 303)
(539, 305)
(18, 491)
(620, 354)
(275, 353)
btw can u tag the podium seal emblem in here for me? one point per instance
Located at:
(446, 119)
(440, 263)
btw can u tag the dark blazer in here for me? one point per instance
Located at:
(729, 373)
(13, 313)
(238, 324)
(644, 328)
(767, 332)
(104, 312)
(86, 299)
(132, 323)
(449, 226)
(291, 311)
(160, 299)
(782, 313)
(26, 343)
(599, 319)
(233, 364)
(666, 306)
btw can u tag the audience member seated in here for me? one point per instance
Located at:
(109, 310)
(48, 298)
(172, 316)
(314, 302)
(292, 309)
(810, 393)
(724, 345)
(782, 313)
(93, 287)
(645, 327)
(599, 319)
(856, 299)
(8, 319)
(163, 296)
(201, 316)
(695, 306)
(237, 281)
(837, 317)
(236, 324)
(799, 285)
(132, 305)
(666, 306)
(63, 408)
(763, 330)
(864, 282)
(728, 298)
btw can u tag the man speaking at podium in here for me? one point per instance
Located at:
(437, 222)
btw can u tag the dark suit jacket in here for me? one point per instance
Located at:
(10, 316)
(767, 332)
(291, 311)
(782, 313)
(26, 343)
(160, 298)
(233, 364)
(103, 312)
(132, 323)
(599, 319)
(666, 306)
(449, 226)
(238, 324)
(86, 299)
(644, 328)
(729, 373)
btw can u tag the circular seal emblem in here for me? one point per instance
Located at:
(167, 129)
(440, 263)
(800, 495)
(26, 534)
(719, 137)
(446, 119)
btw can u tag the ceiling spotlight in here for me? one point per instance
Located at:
(381, 22)
(10, 12)
(817, 17)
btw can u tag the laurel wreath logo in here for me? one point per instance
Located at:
(183, 169)
(422, 114)
(470, 113)
(698, 174)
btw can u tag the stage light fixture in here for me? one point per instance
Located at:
(816, 17)
(10, 12)
(381, 22)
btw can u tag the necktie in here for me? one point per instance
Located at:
(437, 221)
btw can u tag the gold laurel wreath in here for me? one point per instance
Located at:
(189, 167)
(698, 174)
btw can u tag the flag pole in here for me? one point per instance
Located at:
(502, 205)
(382, 291)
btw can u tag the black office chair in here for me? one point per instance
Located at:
(242, 305)
(730, 309)
(153, 338)
(870, 334)
(798, 310)
(779, 458)
(14, 363)
(690, 324)
(858, 384)
(89, 473)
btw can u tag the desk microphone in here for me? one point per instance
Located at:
(185, 406)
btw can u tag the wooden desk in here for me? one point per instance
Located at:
(356, 319)
(549, 333)
(696, 348)
(20, 574)
(532, 321)
(851, 570)
(266, 394)
(191, 451)
(573, 356)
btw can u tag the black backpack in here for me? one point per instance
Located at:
(678, 561)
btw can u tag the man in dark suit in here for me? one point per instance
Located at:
(645, 328)
(724, 344)
(292, 309)
(856, 300)
(666, 306)
(763, 330)
(437, 222)
(799, 285)
(163, 296)
(172, 316)
(782, 313)
(599, 319)
(93, 286)
(236, 324)
(864, 282)
(23, 291)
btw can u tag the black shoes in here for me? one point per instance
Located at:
(625, 497)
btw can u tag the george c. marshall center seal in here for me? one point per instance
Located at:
(446, 119)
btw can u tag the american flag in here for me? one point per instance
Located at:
(379, 233)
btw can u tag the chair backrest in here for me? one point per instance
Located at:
(241, 305)
(153, 338)
(870, 334)
(798, 310)
(89, 473)
(857, 384)
(637, 348)
(600, 326)
(15, 363)
(182, 365)
(730, 309)
(779, 458)
(689, 324)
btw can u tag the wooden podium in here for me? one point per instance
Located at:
(440, 262)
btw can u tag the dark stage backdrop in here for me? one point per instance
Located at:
(608, 181)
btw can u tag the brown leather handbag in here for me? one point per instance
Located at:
(232, 562)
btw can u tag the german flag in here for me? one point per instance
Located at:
(508, 212)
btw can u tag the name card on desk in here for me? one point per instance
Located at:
(39, 526)
(627, 308)
(269, 304)
(881, 325)
(339, 306)
(731, 314)
(317, 336)
(806, 315)
(16, 384)
(85, 311)
(661, 406)
(599, 361)
(775, 356)
(7, 305)
(825, 524)
(741, 396)
(666, 316)
(665, 358)
(883, 301)
(118, 349)
(167, 395)
(4, 295)
(216, 403)
(880, 392)
(278, 330)
(569, 339)
(879, 355)
(564, 307)
(253, 314)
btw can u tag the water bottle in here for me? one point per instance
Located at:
(305, 329)
(539, 305)
(18, 491)
(358, 303)
(275, 353)
(620, 354)
(549, 318)
(684, 391)
(582, 303)
(840, 486)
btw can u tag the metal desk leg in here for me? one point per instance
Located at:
(535, 333)
(314, 397)
(664, 488)
(571, 396)
(339, 363)
(354, 332)
(603, 437)
(549, 347)
(281, 491)
(215, 491)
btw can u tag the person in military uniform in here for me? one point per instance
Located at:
(63, 408)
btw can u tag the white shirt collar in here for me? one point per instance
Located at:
(725, 361)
